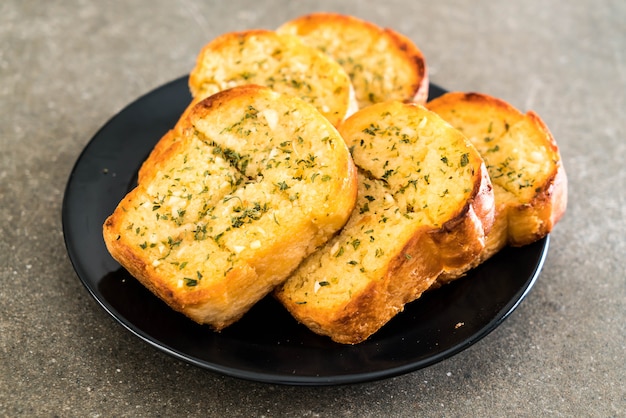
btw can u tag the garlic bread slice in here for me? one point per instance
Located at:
(524, 164)
(255, 182)
(382, 63)
(424, 206)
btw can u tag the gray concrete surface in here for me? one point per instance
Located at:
(67, 67)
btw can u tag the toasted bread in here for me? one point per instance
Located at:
(424, 206)
(253, 184)
(524, 164)
(382, 63)
(279, 61)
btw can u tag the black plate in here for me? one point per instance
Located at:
(267, 344)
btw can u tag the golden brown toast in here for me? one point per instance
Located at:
(424, 206)
(524, 165)
(254, 183)
(279, 61)
(382, 63)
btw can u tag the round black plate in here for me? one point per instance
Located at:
(267, 344)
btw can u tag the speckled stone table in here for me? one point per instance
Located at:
(67, 67)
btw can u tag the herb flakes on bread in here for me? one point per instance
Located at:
(281, 62)
(524, 164)
(424, 206)
(254, 183)
(382, 63)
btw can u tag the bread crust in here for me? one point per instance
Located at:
(530, 183)
(383, 64)
(216, 247)
(449, 235)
